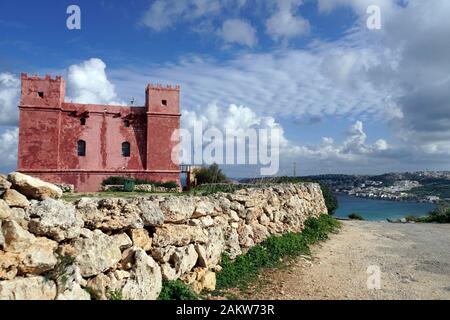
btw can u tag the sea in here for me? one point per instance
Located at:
(379, 210)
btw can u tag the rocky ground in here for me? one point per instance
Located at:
(414, 260)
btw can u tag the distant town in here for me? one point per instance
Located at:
(421, 186)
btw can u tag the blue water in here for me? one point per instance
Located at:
(377, 210)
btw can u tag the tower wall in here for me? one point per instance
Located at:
(163, 123)
(50, 130)
(40, 121)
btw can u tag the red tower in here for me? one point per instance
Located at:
(82, 144)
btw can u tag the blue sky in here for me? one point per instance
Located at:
(348, 99)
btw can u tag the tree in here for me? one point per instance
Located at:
(211, 174)
(330, 199)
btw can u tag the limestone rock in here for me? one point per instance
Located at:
(5, 211)
(16, 238)
(141, 239)
(69, 285)
(2, 238)
(253, 214)
(246, 236)
(4, 184)
(202, 257)
(96, 252)
(39, 257)
(168, 273)
(9, 263)
(126, 263)
(184, 259)
(233, 216)
(205, 280)
(151, 213)
(109, 214)
(145, 282)
(177, 209)
(31, 288)
(102, 285)
(215, 245)
(20, 216)
(75, 293)
(232, 246)
(179, 235)
(55, 219)
(238, 208)
(34, 188)
(163, 254)
(260, 233)
(122, 240)
(264, 220)
(36, 255)
(224, 204)
(15, 200)
(209, 281)
(206, 221)
(203, 208)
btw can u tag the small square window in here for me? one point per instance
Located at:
(83, 121)
(126, 123)
(164, 103)
(41, 94)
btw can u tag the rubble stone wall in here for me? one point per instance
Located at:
(51, 249)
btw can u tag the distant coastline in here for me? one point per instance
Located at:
(407, 200)
(380, 209)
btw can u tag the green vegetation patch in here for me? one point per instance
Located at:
(177, 290)
(439, 215)
(244, 269)
(119, 181)
(355, 216)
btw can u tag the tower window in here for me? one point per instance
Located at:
(83, 121)
(164, 103)
(81, 148)
(126, 149)
(41, 94)
(126, 123)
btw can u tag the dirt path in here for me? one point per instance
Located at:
(414, 260)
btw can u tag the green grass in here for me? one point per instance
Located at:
(439, 215)
(59, 272)
(72, 197)
(244, 269)
(177, 290)
(115, 295)
(355, 216)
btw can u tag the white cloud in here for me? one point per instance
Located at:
(238, 31)
(285, 23)
(88, 83)
(353, 149)
(164, 14)
(8, 149)
(9, 99)
(287, 83)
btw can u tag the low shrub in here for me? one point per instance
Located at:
(245, 268)
(177, 290)
(113, 181)
(355, 216)
(439, 215)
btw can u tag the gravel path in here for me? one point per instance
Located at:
(414, 260)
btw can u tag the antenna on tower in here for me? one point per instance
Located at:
(132, 101)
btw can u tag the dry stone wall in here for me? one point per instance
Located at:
(51, 249)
